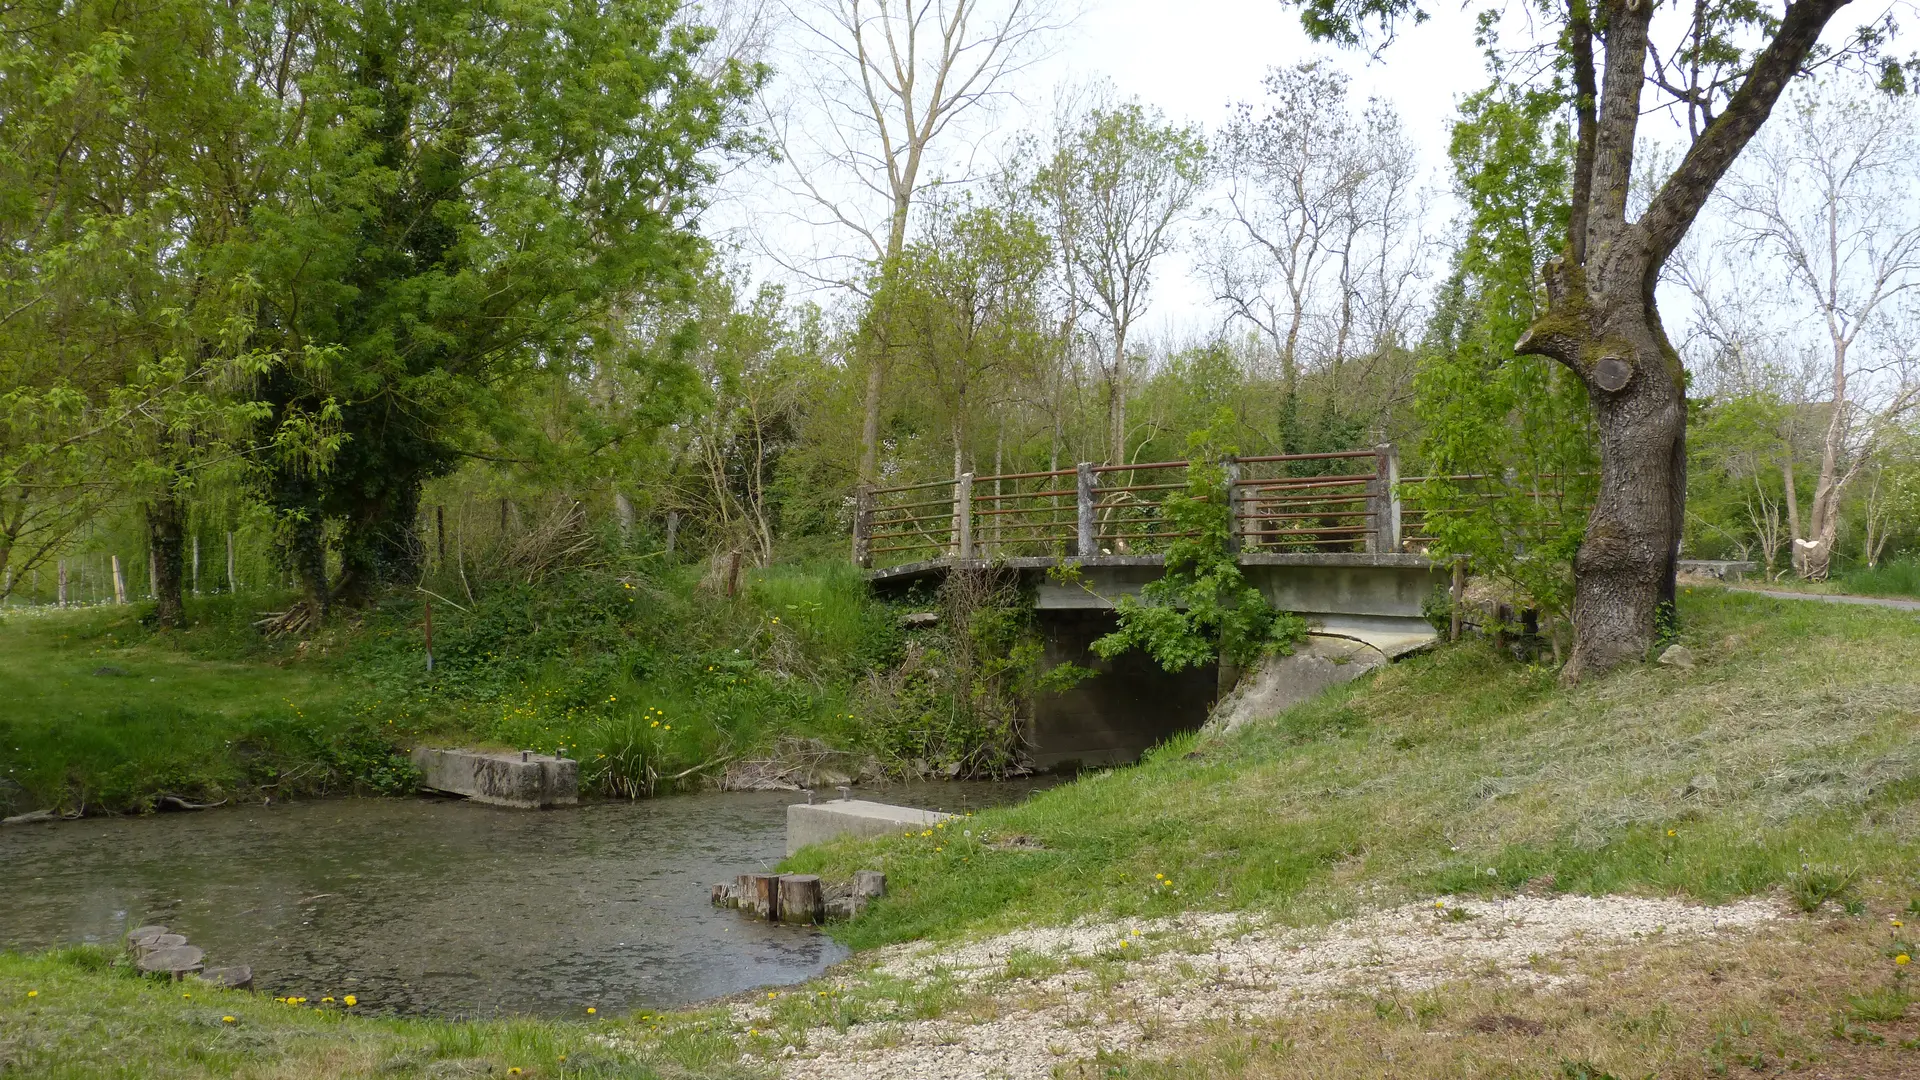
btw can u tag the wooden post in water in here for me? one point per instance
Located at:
(801, 900)
(863, 526)
(760, 894)
(1085, 480)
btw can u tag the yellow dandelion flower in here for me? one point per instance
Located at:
(1902, 960)
(227, 1020)
(666, 727)
(1123, 943)
(187, 997)
(1670, 832)
(591, 1011)
(513, 1070)
(33, 993)
(350, 1000)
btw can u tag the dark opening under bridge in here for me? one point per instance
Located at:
(1323, 535)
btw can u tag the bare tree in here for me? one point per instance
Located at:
(1291, 177)
(1825, 209)
(879, 85)
(1129, 177)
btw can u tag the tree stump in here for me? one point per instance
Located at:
(869, 884)
(153, 943)
(237, 977)
(174, 960)
(760, 895)
(726, 895)
(801, 900)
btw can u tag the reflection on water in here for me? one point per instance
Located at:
(441, 906)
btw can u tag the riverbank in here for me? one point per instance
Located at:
(644, 673)
(1285, 879)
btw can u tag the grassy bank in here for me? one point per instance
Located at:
(1786, 763)
(68, 1015)
(1789, 757)
(641, 672)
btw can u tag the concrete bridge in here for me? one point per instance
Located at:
(1322, 535)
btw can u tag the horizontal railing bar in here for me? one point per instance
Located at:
(913, 506)
(909, 547)
(913, 487)
(1025, 510)
(1339, 480)
(1306, 457)
(911, 520)
(1142, 465)
(1279, 536)
(1144, 535)
(1021, 494)
(978, 480)
(1302, 517)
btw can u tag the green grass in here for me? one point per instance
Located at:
(1789, 757)
(1900, 577)
(101, 715)
(638, 670)
(91, 1019)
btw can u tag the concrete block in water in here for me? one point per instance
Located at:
(817, 823)
(524, 780)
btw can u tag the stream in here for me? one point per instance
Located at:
(442, 907)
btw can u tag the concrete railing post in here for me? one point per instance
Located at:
(963, 516)
(1232, 465)
(863, 526)
(1383, 501)
(1084, 484)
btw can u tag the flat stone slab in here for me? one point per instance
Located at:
(522, 780)
(817, 823)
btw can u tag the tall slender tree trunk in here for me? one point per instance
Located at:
(166, 542)
(877, 358)
(1792, 496)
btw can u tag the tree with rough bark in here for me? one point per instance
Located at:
(1130, 178)
(1824, 212)
(880, 88)
(1724, 70)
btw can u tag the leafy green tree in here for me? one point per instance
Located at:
(475, 196)
(1723, 73)
(1507, 439)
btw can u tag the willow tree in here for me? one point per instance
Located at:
(1727, 65)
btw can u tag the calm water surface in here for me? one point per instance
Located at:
(440, 906)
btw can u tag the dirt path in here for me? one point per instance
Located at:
(1832, 598)
(1030, 1000)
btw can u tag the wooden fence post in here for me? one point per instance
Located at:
(1383, 502)
(1085, 481)
(963, 516)
(1232, 464)
(863, 526)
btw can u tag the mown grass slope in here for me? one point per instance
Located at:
(1789, 756)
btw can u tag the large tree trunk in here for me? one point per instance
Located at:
(166, 534)
(1606, 330)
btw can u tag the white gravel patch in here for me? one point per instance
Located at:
(1179, 972)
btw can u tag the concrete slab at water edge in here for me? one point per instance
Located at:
(522, 780)
(817, 823)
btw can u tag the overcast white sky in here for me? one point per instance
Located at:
(1193, 59)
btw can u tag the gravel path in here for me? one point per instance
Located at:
(1071, 992)
(1833, 598)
